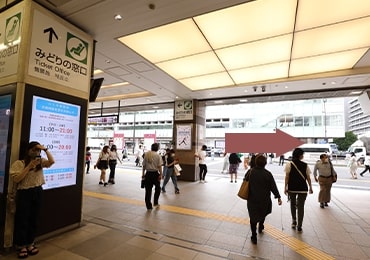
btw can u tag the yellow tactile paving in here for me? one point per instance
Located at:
(295, 244)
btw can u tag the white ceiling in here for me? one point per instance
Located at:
(149, 86)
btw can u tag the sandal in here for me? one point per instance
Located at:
(32, 250)
(23, 253)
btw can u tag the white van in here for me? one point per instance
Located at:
(312, 152)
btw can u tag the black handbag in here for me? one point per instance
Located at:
(142, 183)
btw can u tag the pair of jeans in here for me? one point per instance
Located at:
(152, 179)
(27, 215)
(297, 201)
(170, 174)
(112, 168)
(87, 166)
(202, 171)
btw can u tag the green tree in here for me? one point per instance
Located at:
(345, 142)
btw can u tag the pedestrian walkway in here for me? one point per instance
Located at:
(206, 221)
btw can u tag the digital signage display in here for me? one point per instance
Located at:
(56, 124)
(5, 106)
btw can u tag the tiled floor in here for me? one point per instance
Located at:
(206, 221)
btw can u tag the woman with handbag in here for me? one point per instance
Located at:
(297, 175)
(170, 172)
(261, 185)
(102, 164)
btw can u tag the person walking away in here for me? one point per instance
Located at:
(234, 162)
(271, 155)
(102, 164)
(88, 159)
(139, 156)
(297, 175)
(171, 161)
(201, 155)
(29, 176)
(353, 165)
(367, 164)
(261, 185)
(246, 161)
(326, 170)
(225, 166)
(213, 153)
(281, 160)
(125, 154)
(152, 173)
(252, 161)
(112, 160)
(164, 159)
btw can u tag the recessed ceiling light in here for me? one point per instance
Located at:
(333, 82)
(118, 17)
(243, 100)
(246, 90)
(218, 101)
(355, 93)
(98, 71)
(286, 86)
(155, 107)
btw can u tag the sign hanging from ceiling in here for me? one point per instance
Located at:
(10, 39)
(184, 110)
(59, 53)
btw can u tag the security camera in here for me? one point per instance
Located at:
(263, 88)
(255, 88)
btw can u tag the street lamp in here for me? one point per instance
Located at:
(324, 101)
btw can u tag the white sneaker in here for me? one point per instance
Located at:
(205, 181)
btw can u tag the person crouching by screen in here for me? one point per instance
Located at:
(152, 173)
(29, 176)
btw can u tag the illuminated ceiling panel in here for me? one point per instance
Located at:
(248, 22)
(314, 13)
(256, 53)
(258, 41)
(334, 38)
(259, 73)
(325, 63)
(190, 66)
(168, 42)
(208, 81)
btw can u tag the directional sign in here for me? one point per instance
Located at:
(184, 110)
(11, 22)
(278, 142)
(59, 52)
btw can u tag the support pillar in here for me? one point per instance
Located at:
(189, 135)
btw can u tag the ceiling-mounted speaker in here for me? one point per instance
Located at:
(95, 85)
(364, 101)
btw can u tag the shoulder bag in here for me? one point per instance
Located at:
(298, 171)
(244, 188)
(333, 175)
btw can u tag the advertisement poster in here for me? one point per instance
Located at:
(5, 103)
(183, 134)
(55, 125)
(149, 139)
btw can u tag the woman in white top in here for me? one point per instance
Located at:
(112, 161)
(29, 176)
(352, 164)
(201, 155)
(102, 164)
